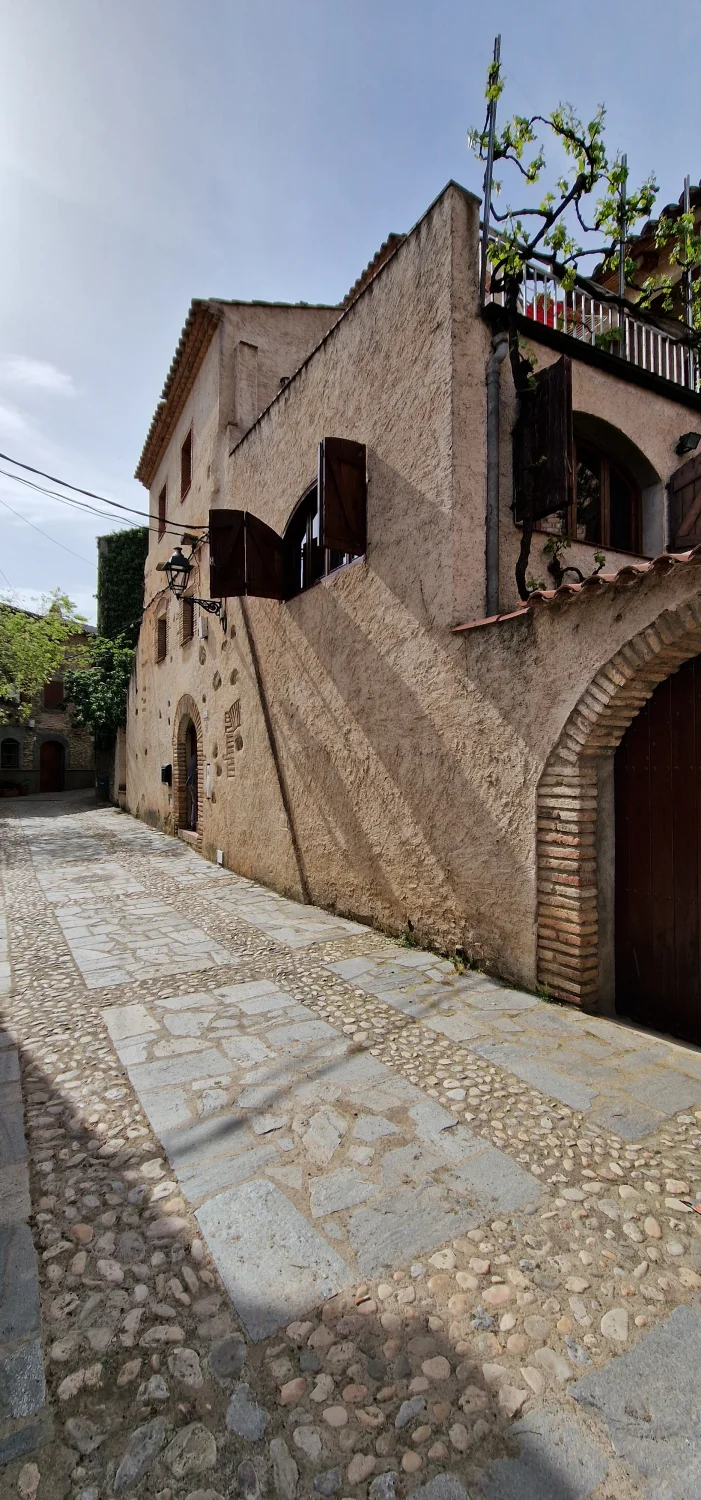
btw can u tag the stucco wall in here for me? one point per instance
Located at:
(382, 765)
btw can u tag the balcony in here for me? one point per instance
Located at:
(590, 315)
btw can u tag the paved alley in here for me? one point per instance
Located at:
(318, 1214)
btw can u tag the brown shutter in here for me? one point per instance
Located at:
(342, 495)
(53, 695)
(265, 569)
(544, 444)
(227, 564)
(685, 505)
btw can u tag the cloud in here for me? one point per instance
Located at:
(12, 420)
(36, 375)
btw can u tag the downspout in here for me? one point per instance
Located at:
(500, 345)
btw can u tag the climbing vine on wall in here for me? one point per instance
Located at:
(120, 583)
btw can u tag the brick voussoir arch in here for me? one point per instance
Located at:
(567, 800)
(185, 712)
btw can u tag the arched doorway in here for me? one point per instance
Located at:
(52, 759)
(657, 788)
(188, 767)
(191, 770)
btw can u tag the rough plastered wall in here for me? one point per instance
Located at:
(252, 348)
(363, 799)
(650, 422)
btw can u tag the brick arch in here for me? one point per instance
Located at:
(186, 712)
(567, 803)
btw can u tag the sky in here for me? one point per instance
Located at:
(152, 151)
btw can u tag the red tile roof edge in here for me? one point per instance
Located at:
(627, 576)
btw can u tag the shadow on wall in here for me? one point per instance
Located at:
(404, 769)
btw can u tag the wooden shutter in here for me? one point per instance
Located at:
(685, 505)
(245, 556)
(265, 568)
(53, 695)
(544, 444)
(227, 559)
(342, 495)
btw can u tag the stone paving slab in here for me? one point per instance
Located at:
(650, 1401)
(627, 1082)
(283, 1095)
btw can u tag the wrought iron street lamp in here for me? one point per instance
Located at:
(178, 569)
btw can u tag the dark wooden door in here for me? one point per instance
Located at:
(51, 766)
(658, 859)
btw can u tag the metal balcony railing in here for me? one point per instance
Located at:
(591, 315)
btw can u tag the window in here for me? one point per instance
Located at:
(607, 508)
(161, 637)
(162, 510)
(186, 465)
(53, 695)
(188, 621)
(9, 755)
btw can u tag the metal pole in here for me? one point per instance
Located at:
(488, 173)
(688, 303)
(622, 260)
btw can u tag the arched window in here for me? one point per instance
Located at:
(607, 511)
(9, 755)
(306, 561)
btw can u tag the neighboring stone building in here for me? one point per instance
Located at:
(405, 742)
(48, 752)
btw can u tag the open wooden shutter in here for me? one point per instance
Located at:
(227, 559)
(245, 556)
(544, 444)
(685, 505)
(265, 568)
(342, 495)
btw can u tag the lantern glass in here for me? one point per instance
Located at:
(177, 571)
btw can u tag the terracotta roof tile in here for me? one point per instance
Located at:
(626, 577)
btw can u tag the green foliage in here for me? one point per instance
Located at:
(98, 691)
(593, 196)
(120, 583)
(32, 648)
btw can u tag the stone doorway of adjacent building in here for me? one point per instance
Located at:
(52, 766)
(191, 769)
(657, 791)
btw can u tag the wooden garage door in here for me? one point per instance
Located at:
(658, 859)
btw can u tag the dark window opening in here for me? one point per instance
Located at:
(607, 508)
(162, 511)
(306, 561)
(53, 695)
(161, 638)
(186, 466)
(9, 755)
(188, 620)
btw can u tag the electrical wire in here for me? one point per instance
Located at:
(20, 517)
(170, 528)
(91, 495)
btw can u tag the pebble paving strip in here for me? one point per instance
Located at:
(418, 1374)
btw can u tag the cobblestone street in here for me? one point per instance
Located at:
(317, 1213)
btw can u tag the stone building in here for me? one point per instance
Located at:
(391, 733)
(47, 752)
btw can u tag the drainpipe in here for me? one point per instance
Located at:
(500, 346)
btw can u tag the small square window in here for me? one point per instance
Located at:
(161, 638)
(188, 621)
(186, 465)
(162, 511)
(53, 695)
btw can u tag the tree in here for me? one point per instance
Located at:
(32, 648)
(98, 691)
(591, 198)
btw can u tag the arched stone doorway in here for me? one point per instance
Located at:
(188, 769)
(576, 810)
